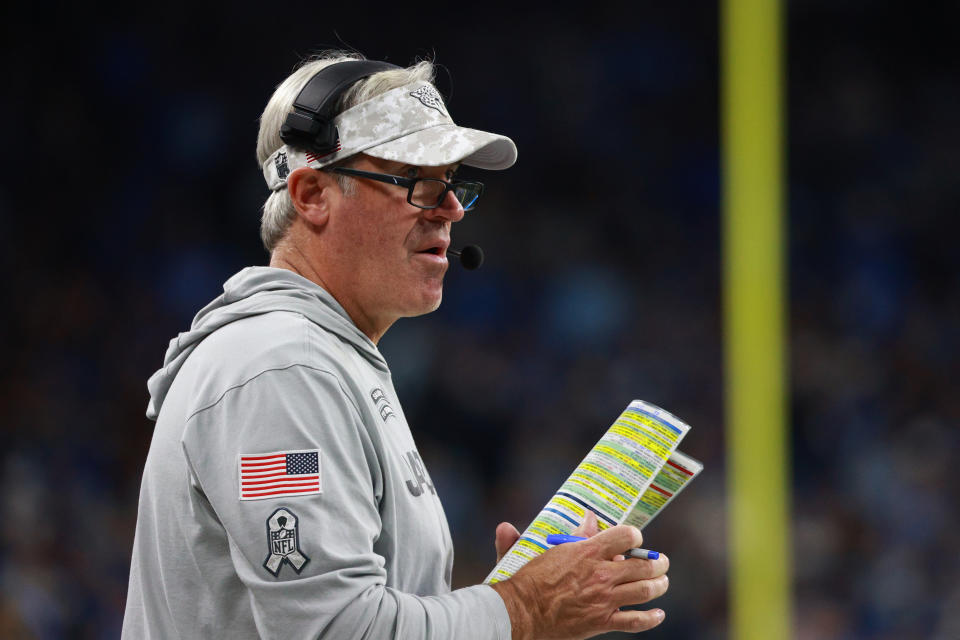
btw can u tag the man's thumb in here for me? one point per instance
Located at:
(588, 528)
(506, 536)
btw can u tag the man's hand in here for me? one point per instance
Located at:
(575, 590)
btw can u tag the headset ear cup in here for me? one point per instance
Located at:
(327, 139)
(304, 131)
(298, 127)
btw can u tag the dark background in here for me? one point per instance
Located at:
(130, 192)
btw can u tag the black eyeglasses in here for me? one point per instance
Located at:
(426, 193)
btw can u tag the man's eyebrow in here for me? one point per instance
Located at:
(450, 171)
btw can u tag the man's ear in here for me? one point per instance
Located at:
(313, 194)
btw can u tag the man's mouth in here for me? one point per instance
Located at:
(435, 248)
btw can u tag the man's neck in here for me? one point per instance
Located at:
(292, 258)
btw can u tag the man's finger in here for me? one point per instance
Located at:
(616, 540)
(632, 569)
(640, 591)
(635, 621)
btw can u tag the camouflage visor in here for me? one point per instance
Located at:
(409, 124)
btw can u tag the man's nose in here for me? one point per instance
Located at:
(450, 209)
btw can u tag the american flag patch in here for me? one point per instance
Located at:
(279, 474)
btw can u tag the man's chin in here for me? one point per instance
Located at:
(429, 301)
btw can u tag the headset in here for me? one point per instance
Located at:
(310, 125)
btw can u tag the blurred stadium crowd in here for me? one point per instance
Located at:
(130, 193)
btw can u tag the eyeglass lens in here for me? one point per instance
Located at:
(467, 193)
(429, 192)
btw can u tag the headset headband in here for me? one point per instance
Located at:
(310, 126)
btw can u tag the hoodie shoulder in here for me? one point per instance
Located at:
(265, 319)
(241, 350)
(249, 346)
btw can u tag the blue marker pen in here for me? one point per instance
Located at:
(643, 554)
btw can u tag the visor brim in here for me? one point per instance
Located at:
(449, 144)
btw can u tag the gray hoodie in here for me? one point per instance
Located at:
(344, 538)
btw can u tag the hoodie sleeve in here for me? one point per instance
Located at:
(308, 560)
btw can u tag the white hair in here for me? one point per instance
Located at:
(278, 211)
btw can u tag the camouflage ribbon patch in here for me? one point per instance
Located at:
(283, 541)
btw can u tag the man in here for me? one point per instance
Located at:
(283, 494)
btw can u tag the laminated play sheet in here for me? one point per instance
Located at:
(628, 477)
